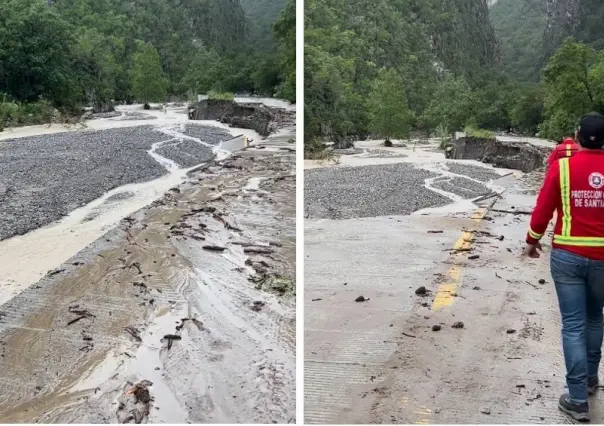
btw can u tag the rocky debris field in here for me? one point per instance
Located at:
(462, 187)
(43, 178)
(207, 134)
(185, 313)
(186, 153)
(482, 174)
(368, 191)
(388, 189)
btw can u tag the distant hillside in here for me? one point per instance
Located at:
(591, 29)
(88, 52)
(358, 52)
(531, 30)
(520, 25)
(262, 14)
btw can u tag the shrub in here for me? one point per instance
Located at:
(24, 113)
(479, 133)
(221, 96)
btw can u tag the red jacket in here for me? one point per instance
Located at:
(566, 149)
(574, 187)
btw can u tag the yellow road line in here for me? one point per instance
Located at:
(422, 412)
(445, 294)
(444, 298)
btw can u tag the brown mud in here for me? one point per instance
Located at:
(147, 326)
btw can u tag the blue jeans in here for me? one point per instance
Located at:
(580, 287)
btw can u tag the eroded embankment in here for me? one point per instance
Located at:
(183, 313)
(522, 156)
(246, 115)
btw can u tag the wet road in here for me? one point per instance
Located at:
(380, 361)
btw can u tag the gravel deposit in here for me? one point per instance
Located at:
(44, 178)
(187, 153)
(368, 191)
(120, 196)
(463, 187)
(482, 174)
(209, 134)
(136, 116)
(111, 114)
(383, 153)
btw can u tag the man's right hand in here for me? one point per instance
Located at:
(532, 250)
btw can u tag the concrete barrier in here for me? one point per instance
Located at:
(235, 144)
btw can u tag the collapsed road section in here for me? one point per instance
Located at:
(183, 312)
(418, 306)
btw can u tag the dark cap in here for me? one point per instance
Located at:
(591, 131)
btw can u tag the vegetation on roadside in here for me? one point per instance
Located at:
(478, 133)
(317, 150)
(97, 52)
(25, 113)
(221, 96)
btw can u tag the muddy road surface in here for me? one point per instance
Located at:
(182, 312)
(455, 326)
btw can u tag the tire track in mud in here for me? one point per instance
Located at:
(232, 364)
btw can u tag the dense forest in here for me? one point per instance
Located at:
(387, 68)
(412, 48)
(70, 53)
(262, 14)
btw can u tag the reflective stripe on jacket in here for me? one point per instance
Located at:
(566, 149)
(574, 188)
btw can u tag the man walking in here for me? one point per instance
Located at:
(567, 148)
(574, 187)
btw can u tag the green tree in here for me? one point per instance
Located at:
(452, 105)
(35, 44)
(148, 80)
(389, 112)
(285, 32)
(206, 72)
(262, 14)
(266, 76)
(520, 25)
(571, 88)
(527, 112)
(97, 67)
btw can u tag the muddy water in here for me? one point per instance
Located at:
(233, 357)
(232, 364)
(27, 258)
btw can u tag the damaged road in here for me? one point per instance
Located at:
(184, 312)
(455, 326)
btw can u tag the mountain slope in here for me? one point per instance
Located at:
(347, 44)
(532, 30)
(463, 36)
(262, 14)
(520, 25)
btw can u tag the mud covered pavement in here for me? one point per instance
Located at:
(183, 313)
(454, 326)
